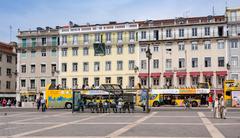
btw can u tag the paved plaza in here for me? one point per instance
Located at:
(159, 123)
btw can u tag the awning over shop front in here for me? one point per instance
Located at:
(143, 75)
(7, 95)
(221, 73)
(25, 93)
(208, 73)
(155, 75)
(168, 74)
(194, 74)
(181, 74)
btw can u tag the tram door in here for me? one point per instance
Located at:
(75, 102)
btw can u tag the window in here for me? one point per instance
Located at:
(8, 85)
(119, 65)
(0, 56)
(181, 62)
(233, 16)
(181, 80)
(108, 50)
(220, 30)
(155, 35)
(131, 48)
(143, 81)
(220, 61)
(220, 44)
(24, 54)
(9, 72)
(119, 80)
(24, 42)
(131, 35)
(43, 82)
(64, 52)
(108, 36)
(85, 38)
(85, 81)
(23, 83)
(44, 41)
(169, 33)
(53, 67)
(195, 81)
(43, 68)
(143, 64)
(97, 37)
(23, 68)
(53, 81)
(234, 76)
(156, 48)
(74, 67)
(119, 49)
(194, 31)
(181, 47)
(131, 64)
(33, 53)
(85, 51)
(54, 41)
(194, 46)
(9, 59)
(207, 31)
(108, 79)
(143, 49)
(119, 36)
(74, 82)
(181, 32)
(33, 68)
(64, 67)
(234, 44)
(155, 63)
(108, 65)
(156, 81)
(64, 83)
(85, 66)
(168, 63)
(207, 45)
(194, 62)
(75, 39)
(75, 51)
(64, 39)
(96, 81)
(143, 35)
(32, 84)
(220, 80)
(54, 52)
(44, 53)
(96, 66)
(131, 82)
(207, 61)
(234, 61)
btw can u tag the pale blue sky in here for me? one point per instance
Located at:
(29, 14)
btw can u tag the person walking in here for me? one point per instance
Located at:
(38, 103)
(210, 102)
(4, 102)
(126, 107)
(114, 106)
(101, 107)
(120, 105)
(43, 103)
(222, 108)
(132, 107)
(216, 108)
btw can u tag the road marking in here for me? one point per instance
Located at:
(176, 116)
(214, 132)
(94, 137)
(172, 124)
(126, 128)
(17, 114)
(55, 126)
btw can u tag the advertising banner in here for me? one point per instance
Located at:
(236, 98)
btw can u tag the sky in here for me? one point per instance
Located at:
(30, 14)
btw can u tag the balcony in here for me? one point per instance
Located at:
(233, 20)
(37, 45)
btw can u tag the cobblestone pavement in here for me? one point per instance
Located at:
(158, 123)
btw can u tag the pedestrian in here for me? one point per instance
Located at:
(144, 105)
(38, 103)
(4, 102)
(43, 103)
(216, 108)
(186, 103)
(91, 106)
(210, 102)
(105, 106)
(120, 105)
(223, 109)
(81, 105)
(132, 107)
(9, 103)
(101, 107)
(126, 107)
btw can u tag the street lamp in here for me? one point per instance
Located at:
(149, 56)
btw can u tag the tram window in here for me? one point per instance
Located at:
(228, 93)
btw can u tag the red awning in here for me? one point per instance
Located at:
(208, 73)
(216, 91)
(181, 74)
(155, 75)
(143, 75)
(194, 74)
(221, 73)
(168, 74)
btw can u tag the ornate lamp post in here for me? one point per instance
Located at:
(149, 56)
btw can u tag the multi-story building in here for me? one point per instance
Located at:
(185, 51)
(233, 21)
(37, 62)
(81, 61)
(8, 64)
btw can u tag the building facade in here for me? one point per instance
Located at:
(185, 51)
(37, 62)
(8, 64)
(81, 61)
(233, 21)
